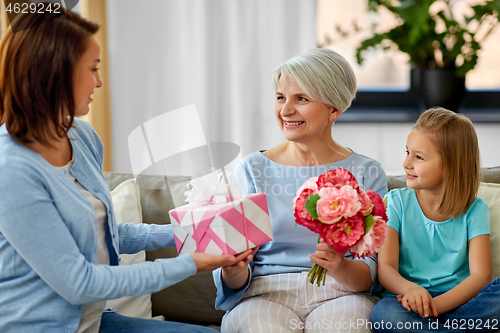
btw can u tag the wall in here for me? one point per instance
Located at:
(217, 54)
(386, 142)
(171, 54)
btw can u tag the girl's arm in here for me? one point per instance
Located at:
(388, 265)
(480, 275)
(352, 274)
(413, 297)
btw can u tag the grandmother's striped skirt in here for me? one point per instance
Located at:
(289, 303)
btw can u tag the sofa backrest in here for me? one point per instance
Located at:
(490, 175)
(193, 300)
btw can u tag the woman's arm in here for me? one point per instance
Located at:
(207, 262)
(480, 275)
(143, 236)
(54, 242)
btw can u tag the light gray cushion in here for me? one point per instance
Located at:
(491, 175)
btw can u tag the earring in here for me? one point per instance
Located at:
(333, 118)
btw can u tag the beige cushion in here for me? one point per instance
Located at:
(126, 203)
(491, 194)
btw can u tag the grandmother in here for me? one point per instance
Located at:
(271, 292)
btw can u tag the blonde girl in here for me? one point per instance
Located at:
(436, 261)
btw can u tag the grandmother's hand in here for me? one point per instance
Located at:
(242, 263)
(326, 257)
(353, 275)
(207, 262)
(236, 275)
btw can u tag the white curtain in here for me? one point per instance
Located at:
(216, 54)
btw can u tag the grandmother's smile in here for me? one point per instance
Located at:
(293, 123)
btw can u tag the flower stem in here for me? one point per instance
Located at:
(317, 274)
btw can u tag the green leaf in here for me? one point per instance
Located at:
(416, 33)
(311, 205)
(369, 222)
(369, 43)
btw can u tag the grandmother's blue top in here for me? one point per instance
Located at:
(48, 239)
(289, 251)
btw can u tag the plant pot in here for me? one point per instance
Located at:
(439, 87)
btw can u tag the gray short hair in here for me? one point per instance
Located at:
(323, 74)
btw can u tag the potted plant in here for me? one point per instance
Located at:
(442, 47)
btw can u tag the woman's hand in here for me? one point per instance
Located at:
(326, 257)
(207, 262)
(419, 301)
(235, 276)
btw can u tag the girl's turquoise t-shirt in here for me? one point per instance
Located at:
(434, 255)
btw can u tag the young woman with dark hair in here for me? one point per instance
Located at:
(59, 241)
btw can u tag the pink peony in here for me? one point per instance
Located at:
(372, 240)
(336, 203)
(310, 184)
(301, 214)
(379, 205)
(337, 178)
(343, 234)
(366, 203)
(340, 212)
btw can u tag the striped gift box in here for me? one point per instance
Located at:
(225, 228)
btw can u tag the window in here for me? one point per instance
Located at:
(384, 91)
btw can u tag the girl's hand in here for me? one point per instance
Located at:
(326, 257)
(419, 301)
(207, 262)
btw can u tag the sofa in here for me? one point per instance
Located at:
(192, 300)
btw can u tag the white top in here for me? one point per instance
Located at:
(92, 312)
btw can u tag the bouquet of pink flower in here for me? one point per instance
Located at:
(342, 214)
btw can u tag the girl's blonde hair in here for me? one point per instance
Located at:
(456, 139)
